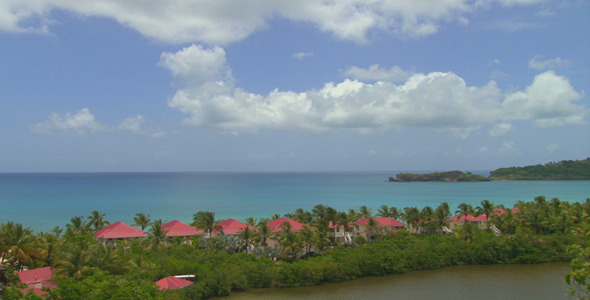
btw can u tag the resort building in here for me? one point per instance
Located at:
(479, 220)
(172, 282)
(118, 231)
(343, 232)
(230, 227)
(180, 229)
(382, 224)
(36, 279)
(276, 225)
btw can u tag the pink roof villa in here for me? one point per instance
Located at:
(177, 228)
(382, 222)
(35, 279)
(118, 231)
(172, 282)
(386, 224)
(276, 224)
(231, 227)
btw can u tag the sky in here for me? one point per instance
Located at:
(309, 85)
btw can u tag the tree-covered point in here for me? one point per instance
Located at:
(439, 176)
(563, 170)
(537, 231)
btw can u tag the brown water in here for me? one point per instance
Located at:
(540, 281)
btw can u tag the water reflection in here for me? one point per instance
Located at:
(540, 281)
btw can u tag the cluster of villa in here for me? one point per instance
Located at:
(38, 278)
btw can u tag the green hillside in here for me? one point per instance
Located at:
(563, 170)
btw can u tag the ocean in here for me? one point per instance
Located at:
(42, 201)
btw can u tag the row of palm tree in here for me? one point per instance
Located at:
(21, 248)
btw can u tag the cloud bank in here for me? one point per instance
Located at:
(440, 100)
(225, 21)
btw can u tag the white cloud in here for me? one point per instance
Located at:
(302, 55)
(196, 65)
(376, 73)
(548, 101)
(494, 61)
(79, 123)
(538, 63)
(133, 124)
(500, 129)
(509, 148)
(552, 147)
(442, 101)
(224, 21)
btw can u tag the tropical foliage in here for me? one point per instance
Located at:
(533, 232)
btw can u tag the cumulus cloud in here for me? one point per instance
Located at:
(135, 126)
(538, 63)
(225, 21)
(302, 55)
(548, 101)
(79, 123)
(439, 100)
(377, 73)
(509, 148)
(500, 129)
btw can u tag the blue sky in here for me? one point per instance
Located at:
(292, 85)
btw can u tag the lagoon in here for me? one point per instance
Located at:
(539, 281)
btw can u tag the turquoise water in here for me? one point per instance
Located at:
(42, 201)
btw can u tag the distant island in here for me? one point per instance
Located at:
(563, 170)
(453, 176)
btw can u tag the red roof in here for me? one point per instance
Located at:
(119, 230)
(276, 224)
(172, 282)
(468, 217)
(480, 218)
(231, 226)
(383, 222)
(37, 291)
(39, 275)
(177, 228)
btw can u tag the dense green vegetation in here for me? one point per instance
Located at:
(563, 170)
(439, 176)
(540, 231)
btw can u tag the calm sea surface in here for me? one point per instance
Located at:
(541, 281)
(43, 201)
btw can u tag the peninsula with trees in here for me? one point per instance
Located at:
(563, 170)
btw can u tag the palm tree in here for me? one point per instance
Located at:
(156, 235)
(246, 234)
(440, 216)
(250, 221)
(487, 209)
(365, 212)
(107, 258)
(204, 220)
(96, 220)
(383, 212)
(77, 226)
(263, 232)
(75, 260)
(142, 220)
(19, 246)
(464, 210)
(412, 217)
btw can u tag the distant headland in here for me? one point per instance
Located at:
(563, 170)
